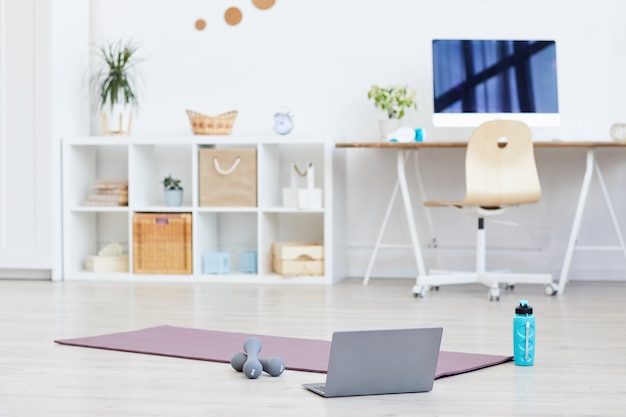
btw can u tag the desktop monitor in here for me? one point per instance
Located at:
(479, 80)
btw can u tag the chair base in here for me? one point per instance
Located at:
(490, 279)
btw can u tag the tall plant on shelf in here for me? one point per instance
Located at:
(115, 84)
(393, 100)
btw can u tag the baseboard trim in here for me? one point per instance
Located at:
(25, 274)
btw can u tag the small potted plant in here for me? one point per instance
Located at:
(172, 191)
(393, 101)
(115, 84)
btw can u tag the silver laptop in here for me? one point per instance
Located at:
(381, 362)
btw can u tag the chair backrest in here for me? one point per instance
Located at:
(500, 165)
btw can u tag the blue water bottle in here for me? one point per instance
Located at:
(524, 335)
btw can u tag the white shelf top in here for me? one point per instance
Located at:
(202, 140)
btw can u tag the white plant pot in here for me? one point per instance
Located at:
(173, 198)
(116, 120)
(387, 126)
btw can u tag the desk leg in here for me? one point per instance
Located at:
(401, 183)
(408, 208)
(609, 205)
(422, 193)
(580, 208)
(381, 232)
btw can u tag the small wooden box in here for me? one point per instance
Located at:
(97, 263)
(298, 258)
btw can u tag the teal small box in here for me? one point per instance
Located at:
(216, 263)
(248, 261)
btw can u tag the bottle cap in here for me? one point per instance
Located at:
(523, 308)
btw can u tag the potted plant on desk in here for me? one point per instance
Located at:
(393, 101)
(172, 191)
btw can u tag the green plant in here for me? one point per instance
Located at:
(393, 100)
(115, 80)
(170, 183)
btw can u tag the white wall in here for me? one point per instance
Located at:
(320, 58)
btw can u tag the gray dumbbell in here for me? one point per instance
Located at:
(238, 360)
(273, 366)
(252, 367)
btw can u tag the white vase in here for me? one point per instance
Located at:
(387, 126)
(116, 119)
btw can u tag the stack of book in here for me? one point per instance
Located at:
(108, 192)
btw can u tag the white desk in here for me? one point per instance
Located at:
(403, 151)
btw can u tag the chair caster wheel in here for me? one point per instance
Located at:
(551, 289)
(419, 291)
(494, 294)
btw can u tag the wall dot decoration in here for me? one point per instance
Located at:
(263, 4)
(200, 24)
(232, 16)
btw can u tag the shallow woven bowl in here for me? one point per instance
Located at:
(202, 124)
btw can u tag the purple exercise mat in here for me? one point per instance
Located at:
(308, 355)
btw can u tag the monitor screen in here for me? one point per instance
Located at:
(479, 80)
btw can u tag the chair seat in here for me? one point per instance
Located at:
(443, 203)
(460, 204)
(469, 208)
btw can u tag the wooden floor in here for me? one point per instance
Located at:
(580, 367)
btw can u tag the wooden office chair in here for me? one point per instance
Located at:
(500, 172)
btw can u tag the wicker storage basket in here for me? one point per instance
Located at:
(211, 125)
(162, 243)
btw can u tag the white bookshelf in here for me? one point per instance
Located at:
(145, 161)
